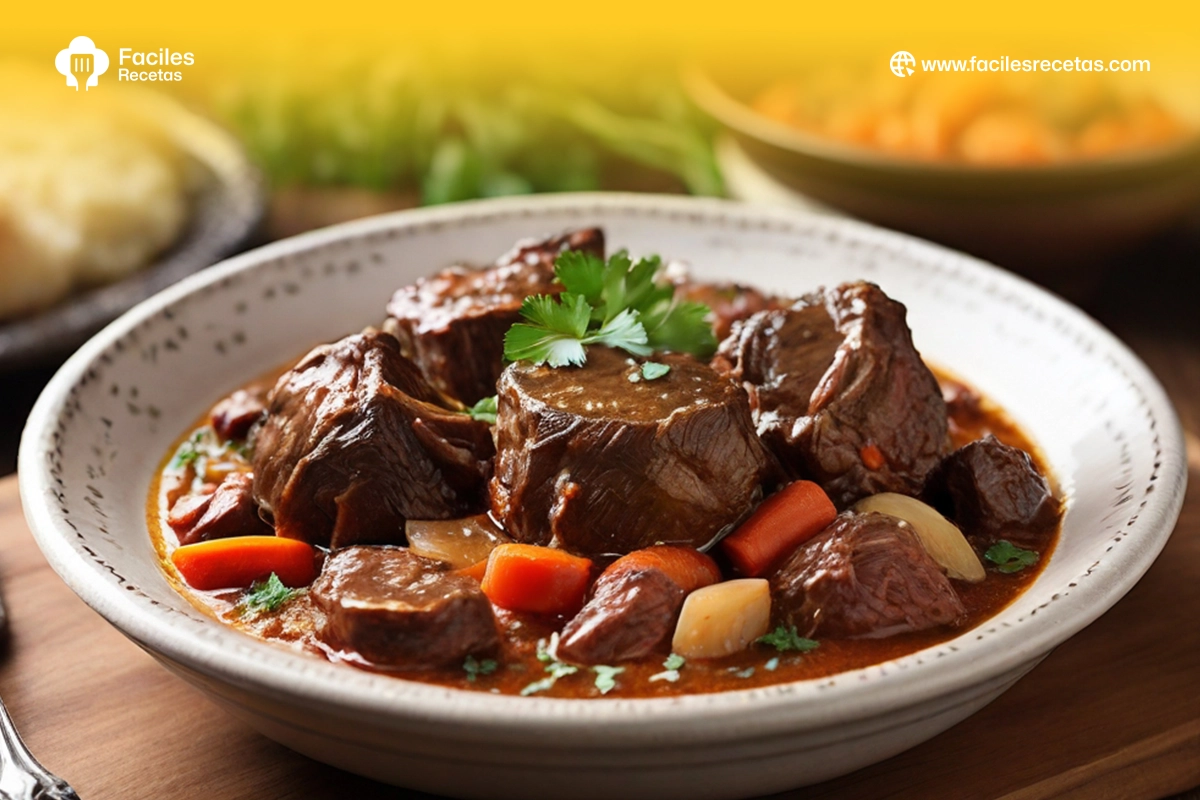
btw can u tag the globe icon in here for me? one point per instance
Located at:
(902, 64)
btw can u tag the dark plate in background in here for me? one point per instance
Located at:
(225, 210)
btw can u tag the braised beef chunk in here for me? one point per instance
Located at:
(452, 324)
(993, 491)
(730, 302)
(864, 575)
(354, 443)
(629, 616)
(596, 460)
(229, 510)
(397, 609)
(839, 393)
(233, 416)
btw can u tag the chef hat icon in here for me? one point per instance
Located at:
(81, 46)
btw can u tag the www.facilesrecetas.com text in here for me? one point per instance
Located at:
(1006, 64)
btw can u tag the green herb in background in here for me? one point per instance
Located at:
(390, 125)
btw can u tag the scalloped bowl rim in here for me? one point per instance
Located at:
(273, 671)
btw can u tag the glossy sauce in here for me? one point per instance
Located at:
(517, 665)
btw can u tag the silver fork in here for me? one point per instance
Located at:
(21, 776)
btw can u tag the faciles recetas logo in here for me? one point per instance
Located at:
(82, 62)
(902, 64)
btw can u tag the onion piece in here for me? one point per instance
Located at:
(722, 619)
(461, 543)
(944, 542)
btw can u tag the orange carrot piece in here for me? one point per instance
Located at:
(777, 527)
(872, 458)
(239, 561)
(476, 571)
(688, 568)
(538, 580)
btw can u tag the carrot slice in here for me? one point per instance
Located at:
(688, 568)
(777, 527)
(872, 457)
(239, 561)
(538, 580)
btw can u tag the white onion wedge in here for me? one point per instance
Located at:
(461, 543)
(941, 539)
(723, 618)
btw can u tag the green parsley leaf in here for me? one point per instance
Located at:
(616, 303)
(474, 668)
(674, 661)
(652, 370)
(484, 410)
(784, 639)
(606, 677)
(682, 327)
(267, 596)
(1009, 558)
(622, 331)
(581, 273)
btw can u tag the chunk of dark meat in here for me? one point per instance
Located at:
(730, 302)
(594, 463)
(355, 442)
(864, 575)
(629, 616)
(994, 491)
(396, 609)
(233, 416)
(839, 393)
(452, 324)
(228, 510)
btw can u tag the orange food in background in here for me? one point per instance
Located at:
(981, 119)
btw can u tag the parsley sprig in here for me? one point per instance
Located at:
(475, 667)
(1009, 558)
(617, 303)
(267, 596)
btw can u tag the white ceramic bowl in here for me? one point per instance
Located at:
(103, 423)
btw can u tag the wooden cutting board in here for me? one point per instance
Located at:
(1114, 712)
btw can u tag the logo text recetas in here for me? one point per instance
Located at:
(163, 57)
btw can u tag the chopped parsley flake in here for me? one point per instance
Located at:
(772, 664)
(474, 668)
(1009, 558)
(606, 677)
(547, 654)
(484, 410)
(652, 370)
(189, 451)
(784, 639)
(673, 664)
(267, 596)
(618, 304)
